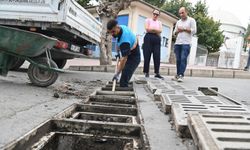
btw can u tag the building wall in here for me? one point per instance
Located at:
(136, 13)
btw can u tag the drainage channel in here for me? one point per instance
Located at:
(107, 121)
(214, 121)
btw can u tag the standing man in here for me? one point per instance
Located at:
(152, 44)
(184, 29)
(128, 46)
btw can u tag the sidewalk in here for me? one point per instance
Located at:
(84, 64)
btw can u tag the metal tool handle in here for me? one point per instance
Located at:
(116, 68)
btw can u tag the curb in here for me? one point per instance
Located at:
(171, 71)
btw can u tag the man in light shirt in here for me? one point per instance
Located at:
(184, 29)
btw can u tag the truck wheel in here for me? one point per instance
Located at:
(17, 63)
(42, 77)
(60, 62)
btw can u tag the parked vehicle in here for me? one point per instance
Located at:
(64, 20)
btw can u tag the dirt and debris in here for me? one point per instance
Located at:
(76, 88)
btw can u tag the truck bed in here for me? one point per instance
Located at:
(64, 19)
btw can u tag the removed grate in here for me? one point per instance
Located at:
(220, 131)
(181, 111)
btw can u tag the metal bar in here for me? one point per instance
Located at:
(224, 96)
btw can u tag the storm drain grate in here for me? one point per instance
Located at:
(108, 120)
(168, 100)
(181, 111)
(220, 131)
(178, 87)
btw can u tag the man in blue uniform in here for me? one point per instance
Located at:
(128, 47)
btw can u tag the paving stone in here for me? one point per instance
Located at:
(172, 71)
(111, 68)
(242, 74)
(181, 111)
(223, 74)
(100, 68)
(202, 73)
(220, 130)
(74, 68)
(85, 68)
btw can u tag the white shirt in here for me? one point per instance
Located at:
(185, 37)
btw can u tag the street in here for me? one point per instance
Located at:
(24, 106)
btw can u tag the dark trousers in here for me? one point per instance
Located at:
(248, 61)
(152, 45)
(181, 53)
(132, 63)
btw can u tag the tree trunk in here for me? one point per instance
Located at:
(106, 44)
(109, 10)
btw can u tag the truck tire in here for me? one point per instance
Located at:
(60, 62)
(17, 63)
(42, 77)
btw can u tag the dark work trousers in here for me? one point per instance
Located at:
(132, 63)
(248, 61)
(181, 53)
(152, 45)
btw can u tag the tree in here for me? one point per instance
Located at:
(246, 37)
(208, 32)
(173, 6)
(107, 9)
(83, 3)
(157, 3)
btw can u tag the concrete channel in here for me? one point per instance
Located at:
(212, 120)
(107, 121)
(119, 121)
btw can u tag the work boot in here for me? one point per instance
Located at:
(146, 75)
(159, 76)
(180, 79)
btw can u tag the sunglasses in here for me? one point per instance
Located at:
(155, 14)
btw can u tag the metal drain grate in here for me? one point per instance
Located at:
(181, 111)
(208, 100)
(220, 131)
(108, 120)
(191, 92)
(168, 100)
(177, 87)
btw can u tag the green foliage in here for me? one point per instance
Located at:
(173, 6)
(83, 3)
(248, 32)
(157, 3)
(208, 31)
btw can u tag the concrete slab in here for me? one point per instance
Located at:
(172, 71)
(217, 131)
(100, 68)
(202, 73)
(157, 127)
(181, 111)
(86, 68)
(242, 74)
(223, 74)
(74, 68)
